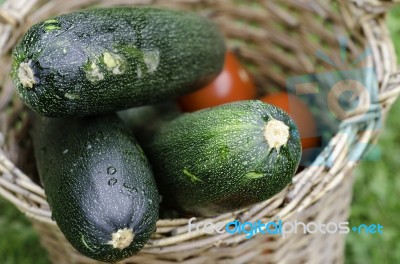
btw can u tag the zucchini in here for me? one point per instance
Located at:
(98, 183)
(109, 59)
(224, 158)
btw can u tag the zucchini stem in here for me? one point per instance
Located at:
(25, 75)
(122, 238)
(276, 133)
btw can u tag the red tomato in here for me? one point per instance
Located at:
(232, 84)
(301, 115)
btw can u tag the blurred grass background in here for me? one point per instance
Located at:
(377, 189)
(375, 200)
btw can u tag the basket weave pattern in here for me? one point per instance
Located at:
(276, 40)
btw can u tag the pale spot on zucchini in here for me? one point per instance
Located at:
(139, 73)
(122, 238)
(109, 60)
(51, 21)
(254, 175)
(71, 96)
(26, 75)
(50, 28)
(151, 59)
(51, 24)
(94, 74)
(276, 133)
(86, 244)
(193, 178)
(113, 62)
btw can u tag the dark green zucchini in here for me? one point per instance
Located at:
(98, 183)
(105, 60)
(225, 158)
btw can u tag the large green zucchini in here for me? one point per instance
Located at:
(98, 183)
(104, 60)
(225, 158)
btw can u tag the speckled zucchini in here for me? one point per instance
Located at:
(98, 183)
(225, 158)
(104, 60)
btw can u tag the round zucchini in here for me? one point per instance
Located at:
(225, 158)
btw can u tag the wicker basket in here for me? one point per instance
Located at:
(277, 40)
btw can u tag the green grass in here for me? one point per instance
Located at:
(376, 190)
(376, 200)
(19, 243)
